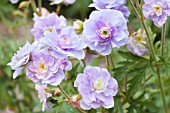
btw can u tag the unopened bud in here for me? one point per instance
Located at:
(24, 4)
(75, 101)
(78, 26)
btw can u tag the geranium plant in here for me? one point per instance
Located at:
(62, 57)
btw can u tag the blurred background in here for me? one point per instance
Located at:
(19, 95)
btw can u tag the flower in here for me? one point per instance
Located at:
(104, 30)
(14, 1)
(78, 26)
(137, 43)
(111, 4)
(65, 44)
(96, 87)
(66, 2)
(156, 10)
(43, 96)
(21, 58)
(44, 69)
(46, 23)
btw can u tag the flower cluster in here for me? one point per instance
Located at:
(46, 58)
(157, 10)
(96, 87)
(137, 43)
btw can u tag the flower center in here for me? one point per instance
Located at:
(104, 32)
(139, 39)
(42, 69)
(99, 84)
(157, 9)
(66, 39)
(48, 29)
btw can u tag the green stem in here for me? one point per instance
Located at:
(163, 41)
(40, 7)
(107, 62)
(84, 63)
(162, 91)
(135, 10)
(112, 62)
(34, 6)
(147, 79)
(63, 92)
(68, 97)
(58, 9)
(141, 20)
(126, 79)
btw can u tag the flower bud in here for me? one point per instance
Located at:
(24, 4)
(78, 26)
(75, 101)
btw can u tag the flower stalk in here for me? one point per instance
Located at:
(68, 97)
(107, 62)
(162, 91)
(40, 7)
(163, 40)
(33, 5)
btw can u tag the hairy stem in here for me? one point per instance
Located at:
(40, 7)
(163, 41)
(107, 62)
(112, 61)
(68, 97)
(162, 91)
(58, 9)
(84, 63)
(34, 7)
(63, 92)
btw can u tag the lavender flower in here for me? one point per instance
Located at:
(66, 2)
(44, 69)
(96, 87)
(21, 58)
(137, 43)
(105, 29)
(156, 10)
(111, 4)
(14, 1)
(46, 23)
(43, 96)
(65, 44)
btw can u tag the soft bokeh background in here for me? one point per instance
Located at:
(19, 95)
